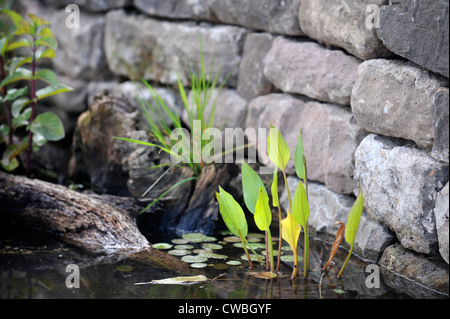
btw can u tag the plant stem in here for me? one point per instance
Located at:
(306, 252)
(244, 244)
(346, 261)
(287, 189)
(295, 270)
(33, 106)
(280, 241)
(270, 244)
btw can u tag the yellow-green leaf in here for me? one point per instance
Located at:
(300, 205)
(263, 214)
(290, 231)
(300, 158)
(353, 219)
(277, 148)
(274, 188)
(232, 213)
(251, 183)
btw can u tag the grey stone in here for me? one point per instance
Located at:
(176, 9)
(418, 31)
(418, 269)
(90, 5)
(395, 98)
(342, 24)
(440, 125)
(309, 69)
(441, 212)
(275, 16)
(330, 136)
(252, 82)
(141, 47)
(400, 184)
(327, 207)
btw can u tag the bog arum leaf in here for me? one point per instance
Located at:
(263, 214)
(232, 213)
(300, 205)
(251, 184)
(299, 158)
(277, 148)
(291, 231)
(353, 220)
(337, 242)
(274, 188)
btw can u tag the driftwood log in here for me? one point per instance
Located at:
(95, 223)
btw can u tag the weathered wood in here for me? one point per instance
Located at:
(85, 221)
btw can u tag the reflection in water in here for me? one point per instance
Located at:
(37, 269)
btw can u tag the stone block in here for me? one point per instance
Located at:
(401, 183)
(310, 69)
(342, 24)
(395, 98)
(441, 125)
(417, 31)
(441, 212)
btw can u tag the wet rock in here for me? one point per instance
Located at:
(138, 46)
(395, 98)
(400, 183)
(440, 127)
(309, 69)
(330, 136)
(417, 268)
(441, 212)
(252, 82)
(327, 207)
(421, 32)
(342, 24)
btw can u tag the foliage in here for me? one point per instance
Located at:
(32, 35)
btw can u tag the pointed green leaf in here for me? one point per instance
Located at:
(18, 105)
(353, 219)
(14, 16)
(13, 94)
(49, 126)
(277, 148)
(24, 27)
(47, 42)
(299, 158)
(37, 22)
(48, 53)
(22, 119)
(263, 214)
(232, 213)
(251, 183)
(18, 62)
(19, 44)
(52, 90)
(300, 205)
(274, 188)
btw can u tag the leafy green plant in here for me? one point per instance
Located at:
(34, 35)
(162, 122)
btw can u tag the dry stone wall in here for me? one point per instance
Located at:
(366, 81)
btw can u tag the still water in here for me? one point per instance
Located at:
(33, 267)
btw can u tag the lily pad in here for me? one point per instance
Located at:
(212, 246)
(232, 239)
(194, 237)
(180, 241)
(194, 259)
(184, 247)
(162, 246)
(233, 262)
(199, 265)
(179, 252)
(252, 257)
(212, 255)
(290, 258)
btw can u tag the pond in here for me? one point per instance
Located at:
(33, 266)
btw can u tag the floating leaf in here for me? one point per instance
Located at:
(300, 205)
(263, 275)
(162, 246)
(277, 148)
(290, 258)
(184, 247)
(199, 265)
(194, 259)
(183, 280)
(232, 239)
(337, 242)
(233, 263)
(212, 246)
(180, 241)
(251, 184)
(179, 252)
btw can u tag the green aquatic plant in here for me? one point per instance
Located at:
(234, 218)
(31, 35)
